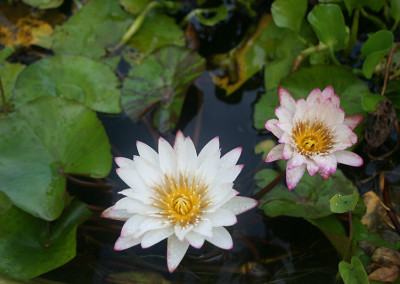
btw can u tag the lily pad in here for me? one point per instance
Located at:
(343, 203)
(28, 248)
(162, 78)
(44, 140)
(156, 31)
(97, 25)
(328, 24)
(9, 73)
(353, 273)
(300, 83)
(5, 203)
(71, 76)
(133, 6)
(310, 198)
(375, 48)
(44, 4)
(289, 13)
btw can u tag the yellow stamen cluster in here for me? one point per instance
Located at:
(181, 201)
(312, 138)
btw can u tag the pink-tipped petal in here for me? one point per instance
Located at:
(124, 162)
(194, 239)
(175, 252)
(272, 125)
(314, 97)
(296, 161)
(353, 120)
(349, 158)
(231, 158)
(312, 167)
(293, 176)
(286, 100)
(287, 152)
(275, 153)
(240, 204)
(124, 243)
(221, 238)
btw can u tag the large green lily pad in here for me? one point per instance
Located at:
(98, 24)
(300, 83)
(289, 13)
(30, 246)
(162, 78)
(71, 76)
(40, 143)
(309, 199)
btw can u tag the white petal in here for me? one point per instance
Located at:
(327, 164)
(297, 160)
(293, 176)
(147, 153)
(228, 175)
(240, 204)
(221, 238)
(143, 195)
(132, 224)
(286, 100)
(124, 162)
(150, 224)
(312, 167)
(180, 231)
(134, 206)
(302, 111)
(168, 159)
(222, 217)
(230, 159)
(287, 152)
(175, 252)
(155, 236)
(149, 172)
(204, 228)
(179, 139)
(276, 153)
(208, 169)
(187, 158)
(283, 114)
(353, 120)
(124, 243)
(194, 239)
(122, 215)
(211, 149)
(131, 177)
(272, 125)
(219, 193)
(314, 97)
(348, 158)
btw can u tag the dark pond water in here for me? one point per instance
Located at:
(278, 250)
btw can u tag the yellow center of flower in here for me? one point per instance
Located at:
(312, 138)
(181, 201)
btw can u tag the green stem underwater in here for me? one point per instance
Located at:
(374, 19)
(270, 186)
(3, 98)
(138, 22)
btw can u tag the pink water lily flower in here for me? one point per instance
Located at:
(179, 195)
(313, 134)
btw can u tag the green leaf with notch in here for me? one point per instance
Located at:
(44, 140)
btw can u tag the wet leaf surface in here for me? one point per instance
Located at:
(340, 203)
(328, 24)
(76, 77)
(98, 24)
(30, 246)
(353, 273)
(44, 140)
(289, 13)
(310, 198)
(374, 49)
(9, 73)
(162, 78)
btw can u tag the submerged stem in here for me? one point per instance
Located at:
(270, 186)
(3, 98)
(138, 22)
(374, 19)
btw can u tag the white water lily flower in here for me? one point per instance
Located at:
(314, 134)
(179, 195)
